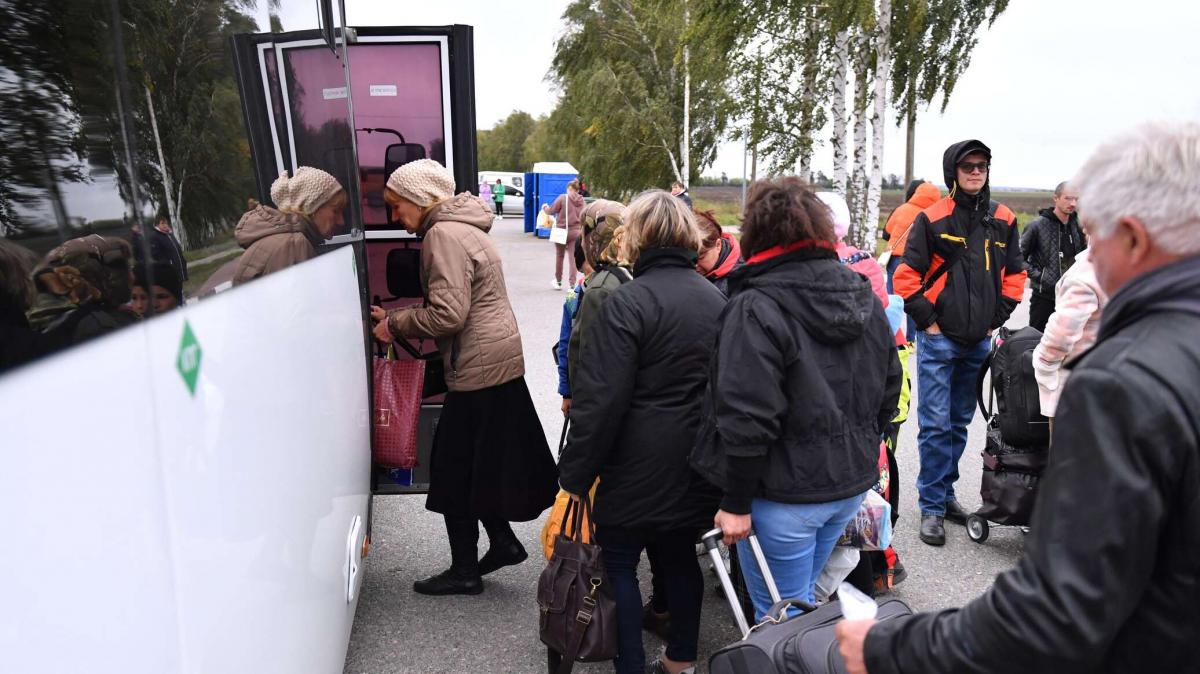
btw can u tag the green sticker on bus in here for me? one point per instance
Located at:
(188, 360)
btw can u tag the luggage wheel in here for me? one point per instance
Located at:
(977, 528)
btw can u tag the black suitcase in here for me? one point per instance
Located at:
(805, 644)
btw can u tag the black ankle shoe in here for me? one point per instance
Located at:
(450, 581)
(502, 554)
(655, 622)
(955, 512)
(933, 532)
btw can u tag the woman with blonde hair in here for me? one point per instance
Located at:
(640, 377)
(490, 459)
(308, 210)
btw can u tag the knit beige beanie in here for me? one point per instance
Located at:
(423, 182)
(305, 192)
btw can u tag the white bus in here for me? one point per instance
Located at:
(192, 492)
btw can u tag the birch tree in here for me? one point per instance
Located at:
(841, 69)
(882, 41)
(856, 192)
(645, 95)
(932, 43)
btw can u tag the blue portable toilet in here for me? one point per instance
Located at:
(531, 181)
(543, 185)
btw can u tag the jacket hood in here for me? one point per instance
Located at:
(954, 154)
(830, 300)
(926, 195)
(1175, 287)
(730, 258)
(265, 221)
(577, 201)
(466, 208)
(652, 258)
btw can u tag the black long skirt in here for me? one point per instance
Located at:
(490, 457)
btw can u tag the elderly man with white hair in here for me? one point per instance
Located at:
(1110, 581)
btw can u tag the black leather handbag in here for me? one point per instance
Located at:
(577, 611)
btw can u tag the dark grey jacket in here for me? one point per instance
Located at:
(804, 381)
(1049, 248)
(1110, 580)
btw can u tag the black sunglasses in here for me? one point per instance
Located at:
(973, 166)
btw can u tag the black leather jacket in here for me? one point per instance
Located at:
(1110, 581)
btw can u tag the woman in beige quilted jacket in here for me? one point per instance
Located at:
(490, 459)
(309, 210)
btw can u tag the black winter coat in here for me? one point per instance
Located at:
(1049, 248)
(1110, 580)
(19, 344)
(164, 248)
(804, 382)
(641, 377)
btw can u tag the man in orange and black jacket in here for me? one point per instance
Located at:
(961, 278)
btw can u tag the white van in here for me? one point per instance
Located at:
(514, 189)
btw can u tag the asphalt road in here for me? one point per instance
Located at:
(397, 630)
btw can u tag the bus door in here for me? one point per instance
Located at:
(411, 96)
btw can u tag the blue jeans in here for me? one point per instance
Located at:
(680, 575)
(796, 539)
(946, 374)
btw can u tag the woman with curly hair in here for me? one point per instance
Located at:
(805, 379)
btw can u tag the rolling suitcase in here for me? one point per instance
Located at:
(805, 644)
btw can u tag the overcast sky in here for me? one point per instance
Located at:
(1046, 83)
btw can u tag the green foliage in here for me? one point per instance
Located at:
(184, 59)
(932, 41)
(620, 69)
(539, 146)
(40, 121)
(502, 148)
(785, 60)
(59, 114)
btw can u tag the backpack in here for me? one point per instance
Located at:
(1014, 390)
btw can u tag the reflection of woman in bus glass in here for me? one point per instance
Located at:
(309, 209)
(490, 459)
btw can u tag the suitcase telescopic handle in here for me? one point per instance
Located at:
(712, 541)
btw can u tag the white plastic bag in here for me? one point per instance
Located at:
(871, 527)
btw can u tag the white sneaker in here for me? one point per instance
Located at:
(557, 285)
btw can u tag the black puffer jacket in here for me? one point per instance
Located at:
(1110, 580)
(640, 380)
(1049, 248)
(804, 381)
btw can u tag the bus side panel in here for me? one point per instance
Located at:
(85, 564)
(266, 467)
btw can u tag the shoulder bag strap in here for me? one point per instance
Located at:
(956, 257)
(983, 371)
(562, 441)
(583, 620)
